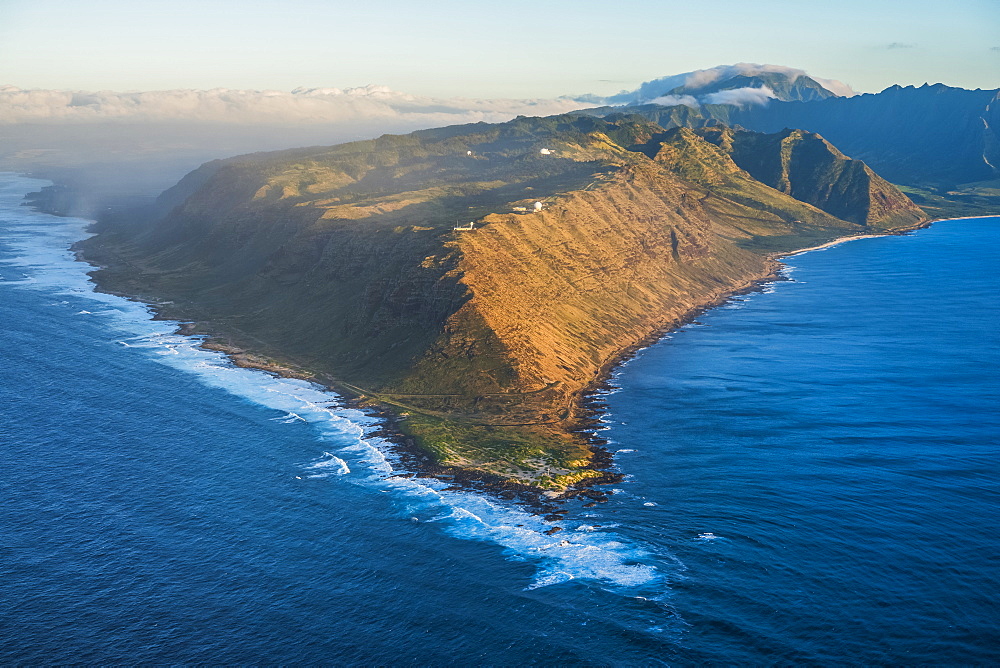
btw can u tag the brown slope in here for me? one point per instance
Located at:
(485, 340)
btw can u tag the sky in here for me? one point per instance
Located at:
(497, 49)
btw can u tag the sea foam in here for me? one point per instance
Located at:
(347, 450)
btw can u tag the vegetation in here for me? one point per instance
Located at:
(968, 199)
(932, 136)
(344, 261)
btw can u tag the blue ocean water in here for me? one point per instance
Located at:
(811, 477)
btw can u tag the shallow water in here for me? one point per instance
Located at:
(811, 476)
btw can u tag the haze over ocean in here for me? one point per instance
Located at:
(810, 477)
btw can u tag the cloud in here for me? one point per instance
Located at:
(674, 100)
(692, 82)
(702, 78)
(900, 45)
(740, 96)
(303, 105)
(836, 87)
(368, 106)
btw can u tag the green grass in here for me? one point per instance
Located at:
(969, 199)
(343, 259)
(522, 454)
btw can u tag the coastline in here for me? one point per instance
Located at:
(417, 463)
(836, 242)
(589, 413)
(585, 424)
(855, 237)
(587, 408)
(894, 233)
(590, 405)
(941, 220)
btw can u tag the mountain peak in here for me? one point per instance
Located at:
(740, 84)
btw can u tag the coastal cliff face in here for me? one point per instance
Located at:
(343, 261)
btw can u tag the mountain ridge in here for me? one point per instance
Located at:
(928, 135)
(343, 260)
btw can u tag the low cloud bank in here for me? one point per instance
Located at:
(303, 105)
(367, 105)
(106, 143)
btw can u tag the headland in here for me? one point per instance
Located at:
(356, 266)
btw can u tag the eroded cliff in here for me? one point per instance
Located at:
(344, 261)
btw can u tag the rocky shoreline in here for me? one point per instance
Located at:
(590, 408)
(416, 461)
(584, 420)
(547, 503)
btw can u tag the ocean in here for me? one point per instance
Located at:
(810, 476)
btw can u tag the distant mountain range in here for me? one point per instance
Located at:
(932, 134)
(936, 134)
(110, 144)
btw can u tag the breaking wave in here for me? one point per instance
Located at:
(347, 449)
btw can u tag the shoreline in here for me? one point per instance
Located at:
(588, 406)
(586, 424)
(775, 265)
(835, 242)
(417, 463)
(896, 233)
(589, 412)
(942, 220)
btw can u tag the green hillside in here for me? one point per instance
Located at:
(343, 262)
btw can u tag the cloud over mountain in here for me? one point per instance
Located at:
(757, 83)
(741, 96)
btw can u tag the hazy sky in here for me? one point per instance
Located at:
(512, 48)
